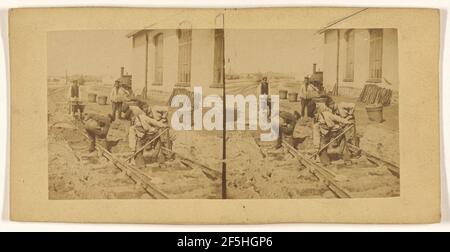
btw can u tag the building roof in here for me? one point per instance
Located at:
(333, 23)
(182, 18)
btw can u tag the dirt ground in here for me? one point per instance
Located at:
(272, 173)
(255, 169)
(74, 173)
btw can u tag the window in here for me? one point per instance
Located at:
(376, 53)
(350, 55)
(159, 56)
(184, 56)
(218, 57)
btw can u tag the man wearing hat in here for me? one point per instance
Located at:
(118, 96)
(74, 97)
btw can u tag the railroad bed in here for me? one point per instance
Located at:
(107, 176)
(257, 170)
(364, 178)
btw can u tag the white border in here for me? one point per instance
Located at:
(6, 225)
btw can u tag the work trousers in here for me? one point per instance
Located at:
(305, 104)
(74, 108)
(116, 108)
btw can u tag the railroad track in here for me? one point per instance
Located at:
(141, 178)
(340, 185)
(327, 177)
(392, 168)
(209, 172)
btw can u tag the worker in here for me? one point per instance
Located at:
(264, 90)
(118, 96)
(97, 126)
(160, 113)
(131, 110)
(330, 125)
(306, 94)
(264, 86)
(345, 110)
(145, 128)
(74, 99)
(287, 125)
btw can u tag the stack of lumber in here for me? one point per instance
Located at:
(373, 94)
(182, 91)
(335, 91)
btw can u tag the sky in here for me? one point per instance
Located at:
(282, 50)
(248, 51)
(88, 52)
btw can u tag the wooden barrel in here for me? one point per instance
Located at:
(102, 100)
(375, 112)
(293, 97)
(92, 97)
(283, 94)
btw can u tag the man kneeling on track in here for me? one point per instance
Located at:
(146, 128)
(330, 126)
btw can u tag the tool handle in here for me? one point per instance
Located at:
(145, 146)
(332, 140)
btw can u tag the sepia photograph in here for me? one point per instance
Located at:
(225, 116)
(174, 113)
(338, 113)
(109, 101)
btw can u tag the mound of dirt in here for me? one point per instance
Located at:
(381, 142)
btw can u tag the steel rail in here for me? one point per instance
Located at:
(321, 173)
(209, 172)
(393, 168)
(135, 174)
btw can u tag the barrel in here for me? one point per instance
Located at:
(92, 97)
(375, 112)
(102, 100)
(283, 94)
(293, 97)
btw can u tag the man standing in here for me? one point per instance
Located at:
(264, 90)
(264, 86)
(306, 94)
(74, 99)
(118, 96)
(330, 126)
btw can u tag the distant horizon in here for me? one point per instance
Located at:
(273, 50)
(90, 52)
